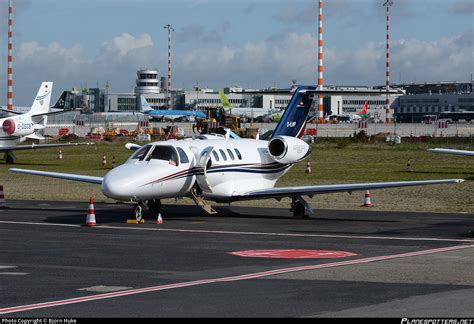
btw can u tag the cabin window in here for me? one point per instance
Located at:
(141, 153)
(165, 153)
(182, 155)
(231, 154)
(223, 155)
(238, 154)
(216, 156)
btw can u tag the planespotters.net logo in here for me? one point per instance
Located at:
(437, 321)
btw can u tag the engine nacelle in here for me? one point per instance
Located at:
(286, 149)
(14, 127)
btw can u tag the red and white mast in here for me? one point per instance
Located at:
(388, 4)
(320, 63)
(10, 56)
(170, 29)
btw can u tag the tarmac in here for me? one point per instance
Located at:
(359, 263)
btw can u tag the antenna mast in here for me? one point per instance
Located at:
(320, 63)
(170, 29)
(388, 4)
(10, 56)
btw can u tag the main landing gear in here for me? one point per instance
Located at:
(300, 207)
(153, 206)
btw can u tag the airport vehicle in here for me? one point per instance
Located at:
(216, 121)
(169, 114)
(248, 113)
(223, 170)
(451, 151)
(350, 118)
(29, 125)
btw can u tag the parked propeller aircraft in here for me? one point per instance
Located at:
(29, 125)
(169, 114)
(451, 151)
(224, 170)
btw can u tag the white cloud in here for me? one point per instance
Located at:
(126, 43)
(272, 62)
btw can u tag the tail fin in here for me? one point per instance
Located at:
(293, 121)
(42, 100)
(144, 105)
(224, 100)
(363, 112)
(61, 102)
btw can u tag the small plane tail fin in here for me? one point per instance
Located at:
(42, 100)
(293, 121)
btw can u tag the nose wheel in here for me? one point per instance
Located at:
(138, 213)
(154, 207)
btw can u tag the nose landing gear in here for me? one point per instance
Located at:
(153, 206)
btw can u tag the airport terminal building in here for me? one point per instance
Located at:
(418, 100)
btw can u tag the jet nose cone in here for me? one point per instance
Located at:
(116, 184)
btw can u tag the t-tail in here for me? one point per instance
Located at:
(42, 100)
(293, 121)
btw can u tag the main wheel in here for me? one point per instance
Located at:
(154, 206)
(298, 210)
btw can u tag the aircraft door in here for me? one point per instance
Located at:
(203, 163)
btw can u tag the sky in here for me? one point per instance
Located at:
(226, 43)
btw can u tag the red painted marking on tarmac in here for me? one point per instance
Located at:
(293, 254)
(257, 275)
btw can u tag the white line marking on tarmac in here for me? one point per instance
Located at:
(366, 237)
(7, 267)
(257, 275)
(104, 289)
(14, 273)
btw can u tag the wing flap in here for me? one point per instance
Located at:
(281, 192)
(64, 176)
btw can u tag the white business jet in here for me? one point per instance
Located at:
(16, 129)
(223, 170)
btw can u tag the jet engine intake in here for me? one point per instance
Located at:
(288, 150)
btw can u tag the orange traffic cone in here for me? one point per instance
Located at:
(104, 160)
(367, 202)
(159, 220)
(90, 221)
(308, 167)
(3, 203)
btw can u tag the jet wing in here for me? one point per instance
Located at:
(451, 151)
(37, 146)
(281, 192)
(64, 176)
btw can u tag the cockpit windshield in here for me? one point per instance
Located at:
(165, 153)
(141, 153)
